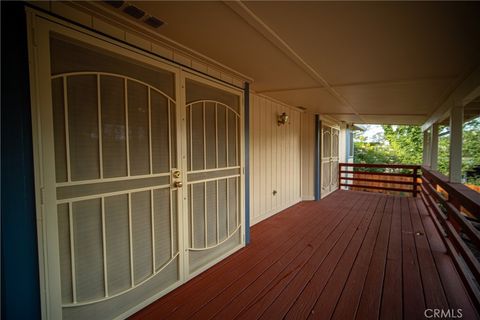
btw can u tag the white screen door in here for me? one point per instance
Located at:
(114, 122)
(138, 171)
(214, 172)
(329, 177)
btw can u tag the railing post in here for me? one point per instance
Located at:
(340, 176)
(456, 131)
(457, 205)
(415, 177)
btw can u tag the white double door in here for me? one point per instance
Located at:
(140, 172)
(329, 151)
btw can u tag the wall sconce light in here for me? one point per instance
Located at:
(282, 119)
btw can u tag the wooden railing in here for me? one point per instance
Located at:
(445, 202)
(404, 178)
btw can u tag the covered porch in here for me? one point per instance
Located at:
(353, 255)
(161, 160)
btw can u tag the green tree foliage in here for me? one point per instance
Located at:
(470, 150)
(404, 144)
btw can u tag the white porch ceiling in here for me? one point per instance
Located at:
(390, 62)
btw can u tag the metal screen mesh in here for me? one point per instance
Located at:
(160, 129)
(197, 137)
(87, 234)
(113, 127)
(59, 130)
(327, 142)
(222, 210)
(197, 91)
(326, 175)
(198, 210)
(222, 134)
(161, 205)
(138, 128)
(210, 135)
(211, 213)
(117, 242)
(141, 235)
(65, 257)
(232, 204)
(232, 139)
(83, 127)
(112, 120)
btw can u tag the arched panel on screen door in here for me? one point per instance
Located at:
(139, 171)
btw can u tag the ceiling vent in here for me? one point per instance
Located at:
(136, 13)
(153, 22)
(115, 4)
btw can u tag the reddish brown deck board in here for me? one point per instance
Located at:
(279, 274)
(453, 286)
(413, 298)
(351, 294)
(351, 258)
(392, 304)
(239, 264)
(239, 286)
(270, 296)
(432, 286)
(283, 302)
(306, 299)
(369, 304)
(326, 303)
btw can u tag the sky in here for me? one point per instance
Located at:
(372, 130)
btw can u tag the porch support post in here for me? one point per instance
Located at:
(434, 147)
(426, 148)
(456, 132)
(246, 116)
(317, 171)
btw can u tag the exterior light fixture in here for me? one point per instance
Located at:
(282, 119)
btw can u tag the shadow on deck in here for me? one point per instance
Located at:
(352, 255)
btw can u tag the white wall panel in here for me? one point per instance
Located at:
(308, 156)
(275, 158)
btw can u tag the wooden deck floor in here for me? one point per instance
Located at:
(352, 255)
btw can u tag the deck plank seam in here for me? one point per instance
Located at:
(345, 216)
(370, 221)
(304, 234)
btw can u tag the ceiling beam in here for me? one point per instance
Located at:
(260, 26)
(364, 84)
(456, 98)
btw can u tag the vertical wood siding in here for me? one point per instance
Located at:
(308, 156)
(275, 158)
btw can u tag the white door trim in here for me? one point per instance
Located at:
(39, 27)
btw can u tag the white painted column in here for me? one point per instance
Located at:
(434, 147)
(456, 132)
(426, 148)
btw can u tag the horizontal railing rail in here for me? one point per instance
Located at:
(350, 173)
(445, 202)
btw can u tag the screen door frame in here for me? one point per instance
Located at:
(330, 129)
(44, 160)
(39, 26)
(186, 75)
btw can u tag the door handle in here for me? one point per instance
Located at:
(178, 184)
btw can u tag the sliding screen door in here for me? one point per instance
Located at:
(213, 125)
(326, 156)
(138, 173)
(334, 159)
(330, 150)
(114, 128)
